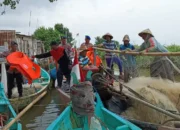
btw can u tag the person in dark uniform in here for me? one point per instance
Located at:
(60, 56)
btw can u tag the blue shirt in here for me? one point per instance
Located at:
(131, 61)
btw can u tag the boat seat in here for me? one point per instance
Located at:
(124, 127)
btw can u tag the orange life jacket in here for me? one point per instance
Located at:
(90, 55)
(24, 65)
(58, 53)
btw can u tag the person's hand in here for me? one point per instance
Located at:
(128, 49)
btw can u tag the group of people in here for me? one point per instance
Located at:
(160, 67)
(62, 54)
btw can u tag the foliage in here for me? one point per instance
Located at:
(52, 34)
(13, 3)
(46, 35)
(64, 31)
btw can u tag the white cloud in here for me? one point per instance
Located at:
(96, 17)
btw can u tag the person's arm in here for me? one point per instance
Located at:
(133, 48)
(44, 55)
(152, 43)
(141, 48)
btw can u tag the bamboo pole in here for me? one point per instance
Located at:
(24, 111)
(139, 53)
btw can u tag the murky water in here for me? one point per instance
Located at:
(43, 113)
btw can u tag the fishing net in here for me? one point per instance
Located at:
(161, 67)
(82, 97)
(161, 93)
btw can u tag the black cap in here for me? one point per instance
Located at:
(14, 43)
(53, 43)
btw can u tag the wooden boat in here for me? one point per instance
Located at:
(20, 103)
(69, 120)
(7, 112)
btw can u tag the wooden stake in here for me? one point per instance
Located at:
(24, 111)
(139, 53)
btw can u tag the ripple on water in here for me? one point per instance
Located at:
(41, 122)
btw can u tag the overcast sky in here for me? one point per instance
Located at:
(97, 17)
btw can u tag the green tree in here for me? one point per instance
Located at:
(12, 3)
(46, 35)
(52, 34)
(98, 40)
(64, 31)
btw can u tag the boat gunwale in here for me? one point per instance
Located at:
(35, 94)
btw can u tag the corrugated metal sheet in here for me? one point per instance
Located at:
(6, 36)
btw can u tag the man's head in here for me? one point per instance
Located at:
(108, 37)
(63, 40)
(54, 45)
(87, 39)
(126, 40)
(146, 34)
(14, 46)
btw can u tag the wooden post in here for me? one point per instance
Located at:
(24, 111)
(95, 57)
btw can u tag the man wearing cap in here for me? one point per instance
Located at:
(161, 66)
(110, 56)
(87, 42)
(60, 56)
(129, 61)
(13, 74)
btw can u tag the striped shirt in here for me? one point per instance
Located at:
(83, 61)
(111, 45)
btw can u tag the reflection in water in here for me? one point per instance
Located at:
(43, 113)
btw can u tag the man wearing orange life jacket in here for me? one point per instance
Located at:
(59, 54)
(11, 74)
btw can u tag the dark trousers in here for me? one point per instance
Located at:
(60, 74)
(19, 81)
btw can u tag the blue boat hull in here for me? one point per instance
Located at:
(6, 108)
